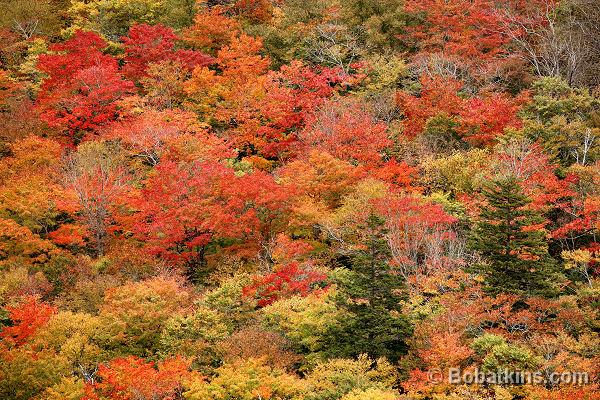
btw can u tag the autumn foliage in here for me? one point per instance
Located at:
(477, 120)
(130, 378)
(287, 281)
(83, 86)
(298, 199)
(146, 44)
(27, 318)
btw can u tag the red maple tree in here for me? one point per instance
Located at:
(83, 86)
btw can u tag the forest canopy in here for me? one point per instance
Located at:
(299, 199)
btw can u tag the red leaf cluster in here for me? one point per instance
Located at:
(287, 281)
(27, 317)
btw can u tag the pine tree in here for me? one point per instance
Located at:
(515, 251)
(370, 296)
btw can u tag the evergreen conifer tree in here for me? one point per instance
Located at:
(370, 293)
(514, 249)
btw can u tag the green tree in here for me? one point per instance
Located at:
(515, 251)
(113, 18)
(332, 32)
(370, 293)
(565, 120)
(334, 379)
(29, 18)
